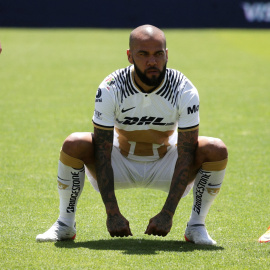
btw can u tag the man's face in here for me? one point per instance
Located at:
(150, 60)
(152, 76)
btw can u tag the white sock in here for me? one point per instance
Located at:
(207, 184)
(70, 186)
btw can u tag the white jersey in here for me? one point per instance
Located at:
(145, 124)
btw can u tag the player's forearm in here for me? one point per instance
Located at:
(178, 186)
(106, 187)
(103, 140)
(187, 145)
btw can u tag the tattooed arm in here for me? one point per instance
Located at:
(117, 225)
(187, 144)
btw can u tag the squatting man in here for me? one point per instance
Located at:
(146, 126)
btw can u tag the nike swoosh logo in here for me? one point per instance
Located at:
(123, 110)
(210, 185)
(63, 179)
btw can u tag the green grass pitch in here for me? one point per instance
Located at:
(48, 81)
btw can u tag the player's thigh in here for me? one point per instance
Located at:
(125, 173)
(161, 174)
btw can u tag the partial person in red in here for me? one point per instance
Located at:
(265, 238)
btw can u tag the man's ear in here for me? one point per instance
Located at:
(129, 55)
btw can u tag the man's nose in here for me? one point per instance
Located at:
(152, 60)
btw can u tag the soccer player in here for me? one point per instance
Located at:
(146, 126)
(265, 238)
(0, 48)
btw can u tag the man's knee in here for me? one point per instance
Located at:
(80, 145)
(220, 149)
(212, 149)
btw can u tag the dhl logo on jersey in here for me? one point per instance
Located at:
(145, 120)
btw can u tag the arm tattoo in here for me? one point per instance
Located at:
(187, 145)
(103, 148)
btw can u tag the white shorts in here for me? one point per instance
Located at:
(133, 174)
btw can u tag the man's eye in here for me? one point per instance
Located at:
(160, 54)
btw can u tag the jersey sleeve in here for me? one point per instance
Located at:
(104, 113)
(189, 108)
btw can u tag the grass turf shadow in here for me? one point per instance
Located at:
(137, 246)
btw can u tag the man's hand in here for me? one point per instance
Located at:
(160, 224)
(117, 225)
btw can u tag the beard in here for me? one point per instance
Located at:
(154, 81)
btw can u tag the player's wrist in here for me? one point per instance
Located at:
(167, 212)
(112, 208)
